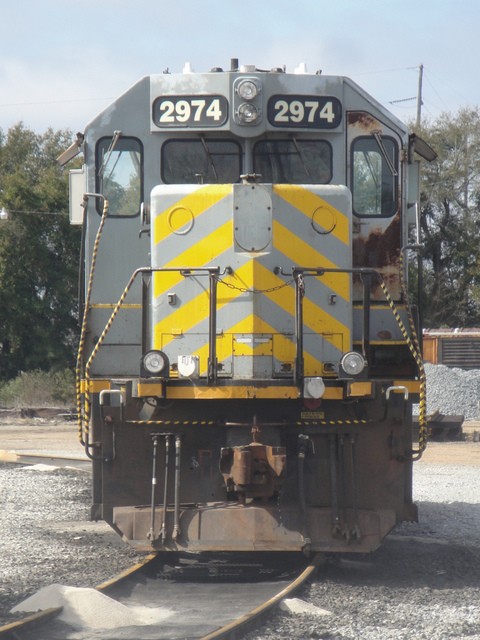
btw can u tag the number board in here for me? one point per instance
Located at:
(190, 111)
(305, 112)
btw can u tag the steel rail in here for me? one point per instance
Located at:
(10, 631)
(252, 619)
(113, 582)
(233, 630)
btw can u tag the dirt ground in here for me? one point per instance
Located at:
(39, 436)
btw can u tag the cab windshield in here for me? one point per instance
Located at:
(293, 161)
(199, 161)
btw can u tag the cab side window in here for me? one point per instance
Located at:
(120, 174)
(374, 176)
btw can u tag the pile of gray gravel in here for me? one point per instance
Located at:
(453, 391)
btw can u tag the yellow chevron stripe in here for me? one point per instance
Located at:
(201, 254)
(248, 276)
(308, 202)
(293, 247)
(197, 203)
(252, 324)
(311, 366)
(284, 349)
(195, 310)
(315, 318)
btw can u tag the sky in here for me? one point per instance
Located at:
(64, 61)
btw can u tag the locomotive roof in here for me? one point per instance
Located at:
(140, 94)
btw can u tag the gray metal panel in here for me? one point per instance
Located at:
(120, 352)
(383, 325)
(252, 217)
(117, 360)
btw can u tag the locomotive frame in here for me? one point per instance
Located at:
(248, 356)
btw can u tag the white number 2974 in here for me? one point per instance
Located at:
(307, 111)
(304, 111)
(193, 110)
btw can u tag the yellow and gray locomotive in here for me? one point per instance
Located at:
(248, 357)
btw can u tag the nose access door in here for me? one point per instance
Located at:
(252, 218)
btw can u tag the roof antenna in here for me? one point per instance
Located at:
(233, 64)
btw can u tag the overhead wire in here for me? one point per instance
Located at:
(37, 213)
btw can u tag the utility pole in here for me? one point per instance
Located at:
(419, 96)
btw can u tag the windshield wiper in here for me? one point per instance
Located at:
(106, 158)
(378, 137)
(302, 160)
(209, 156)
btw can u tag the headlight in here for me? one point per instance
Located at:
(352, 363)
(247, 90)
(155, 363)
(247, 113)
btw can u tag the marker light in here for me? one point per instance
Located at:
(313, 388)
(352, 363)
(247, 90)
(247, 113)
(155, 363)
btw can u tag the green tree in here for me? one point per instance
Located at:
(38, 255)
(450, 221)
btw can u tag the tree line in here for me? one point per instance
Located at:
(39, 255)
(39, 249)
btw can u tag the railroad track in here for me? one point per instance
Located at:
(221, 598)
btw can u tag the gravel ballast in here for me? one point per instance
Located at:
(423, 582)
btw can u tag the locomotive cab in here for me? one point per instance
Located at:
(248, 356)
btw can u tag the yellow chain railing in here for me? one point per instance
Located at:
(414, 346)
(83, 411)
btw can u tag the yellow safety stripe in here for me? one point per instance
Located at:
(203, 253)
(232, 392)
(412, 386)
(315, 318)
(292, 247)
(197, 203)
(94, 386)
(307, 203)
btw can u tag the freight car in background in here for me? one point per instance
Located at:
(248, 359)
(452, 347)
